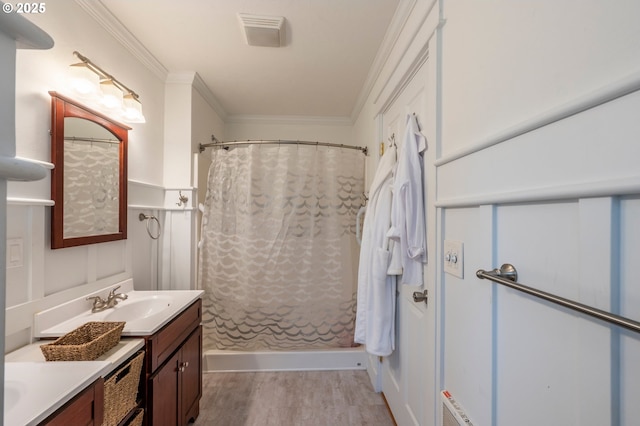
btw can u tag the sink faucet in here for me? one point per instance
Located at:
(100, 304)
(112, 299)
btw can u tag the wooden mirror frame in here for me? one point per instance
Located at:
(62, 107)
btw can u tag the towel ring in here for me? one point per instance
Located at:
(148, 218)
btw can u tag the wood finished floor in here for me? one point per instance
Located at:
(305, 398)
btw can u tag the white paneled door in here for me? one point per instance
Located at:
(407, 375)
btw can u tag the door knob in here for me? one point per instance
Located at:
(421, 296)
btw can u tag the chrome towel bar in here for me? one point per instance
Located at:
(508, 275)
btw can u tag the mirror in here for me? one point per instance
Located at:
(89, 180)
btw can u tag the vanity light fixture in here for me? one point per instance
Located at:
(112, 97)
(132, 109)
(83, 80)
(92, 82)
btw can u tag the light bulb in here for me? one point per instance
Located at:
(83, 80)
(111, 94)
(132, 109)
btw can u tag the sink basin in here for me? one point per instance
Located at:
(138, 309)
(144, 312)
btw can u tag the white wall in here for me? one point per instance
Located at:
(206, 121)
(534, 122)
(177, 158)
(42, 71)
(559, 199)
(170, 261)
(517, 186)
(505, 62)
(47, 277)
(193, 119)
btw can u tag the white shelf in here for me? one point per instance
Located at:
(26, 34)
(22, 169)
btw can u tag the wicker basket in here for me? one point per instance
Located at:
(121, 390)
(136, 420)
(85, 343)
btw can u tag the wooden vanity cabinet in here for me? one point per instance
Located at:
(86, 408)
(173, 370)
(175, 388)
(190, 383)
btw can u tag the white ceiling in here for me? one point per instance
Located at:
(321, 71)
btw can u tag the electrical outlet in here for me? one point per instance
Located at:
(454, 258)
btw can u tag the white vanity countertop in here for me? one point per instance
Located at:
(35, 388)
(155, 310)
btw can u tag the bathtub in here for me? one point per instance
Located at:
(326, 359)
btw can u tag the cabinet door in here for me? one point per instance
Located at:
(163, 394)
(191, 376)
(85, 409)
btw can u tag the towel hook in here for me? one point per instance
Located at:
(182, 199)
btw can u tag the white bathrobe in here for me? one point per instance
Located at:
(375, 315)
(407, 211)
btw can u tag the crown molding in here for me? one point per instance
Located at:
(204, 91)
(113, 26)
(101, 14)
(408, 56)
(193, 79)
(396, 25)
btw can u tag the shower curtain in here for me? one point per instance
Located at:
(278, 257)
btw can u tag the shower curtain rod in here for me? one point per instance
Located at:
(220, 144)
(86, 139)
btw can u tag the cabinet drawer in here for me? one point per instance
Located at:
(162, 344)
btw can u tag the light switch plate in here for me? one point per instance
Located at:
(14, 252)
(453, 258)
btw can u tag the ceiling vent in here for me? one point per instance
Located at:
(265, 31)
